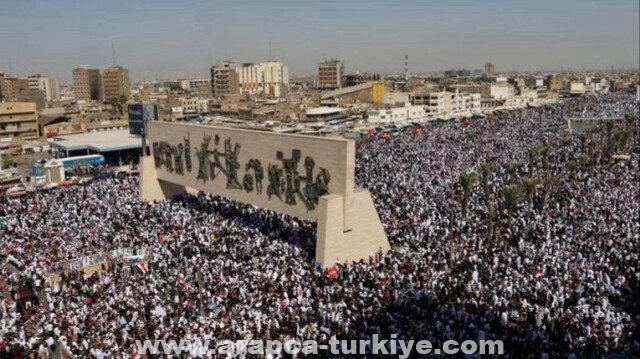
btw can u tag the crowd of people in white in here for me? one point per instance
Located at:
(503, 228)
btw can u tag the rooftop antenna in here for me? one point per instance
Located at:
(113, 54)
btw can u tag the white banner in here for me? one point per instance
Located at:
(95, 259)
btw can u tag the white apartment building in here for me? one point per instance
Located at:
(577, 88)
(502, 91)
(470, 103)
(270, 78)
(397, 114)
(194, 105)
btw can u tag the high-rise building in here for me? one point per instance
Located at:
(489, 69)
(18, 119)
(12, 87)
(330, 74)
(48, 85)
(87, 84)
(270, 78)
(115, 83)
(224, 79)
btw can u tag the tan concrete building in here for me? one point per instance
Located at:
(489, 69)
(224, 79)
(330, 74)
(115, 82)
(18, 119)
(33, 95)
(555, 83)
(12, 87)
(87, 84)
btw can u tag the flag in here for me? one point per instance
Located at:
(136, 261)
(331, 272)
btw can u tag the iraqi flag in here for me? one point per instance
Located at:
(136, 261)
(331, 272)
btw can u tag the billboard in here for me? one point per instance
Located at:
(139, 114)
(136, 119)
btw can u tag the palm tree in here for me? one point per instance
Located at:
(608, 148)
(528, 186)
(512, 169)
(492, 209)
(544, 152)
(534, 152)
(547, 183)
(466, 180)
(511, 196)
(609, 127)
(485, 172)
(572, 166)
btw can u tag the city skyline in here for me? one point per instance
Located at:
(184, 39)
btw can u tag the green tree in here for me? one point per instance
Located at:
(491, 209)
(511, 195)
(572, 166)
(466, 180)
(485, 170)
(545, 151)
(534, 152)
(528, 186)
(7, 163)
(608, 148)
(512, 169)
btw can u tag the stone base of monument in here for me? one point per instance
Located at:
(152, 188)
(341, 239)
(347, 230)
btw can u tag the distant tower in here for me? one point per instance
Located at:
(406, 68)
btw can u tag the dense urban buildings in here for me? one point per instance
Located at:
(224, 79)
(87, 84)
(330, 74)
(360, 78)
(115, 82)
(18, 119)
(12, 87)
(48, 85)
(269, 78)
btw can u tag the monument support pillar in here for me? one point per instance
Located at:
(364, 237)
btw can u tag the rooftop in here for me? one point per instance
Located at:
(320, 111)
(103, 141)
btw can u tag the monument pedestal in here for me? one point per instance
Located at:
(364, 237)
(152, 188)
(284, 173)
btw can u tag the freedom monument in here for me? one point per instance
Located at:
(306, 177)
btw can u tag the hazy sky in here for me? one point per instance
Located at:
(181, 38)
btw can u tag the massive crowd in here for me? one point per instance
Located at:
(554, 274)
